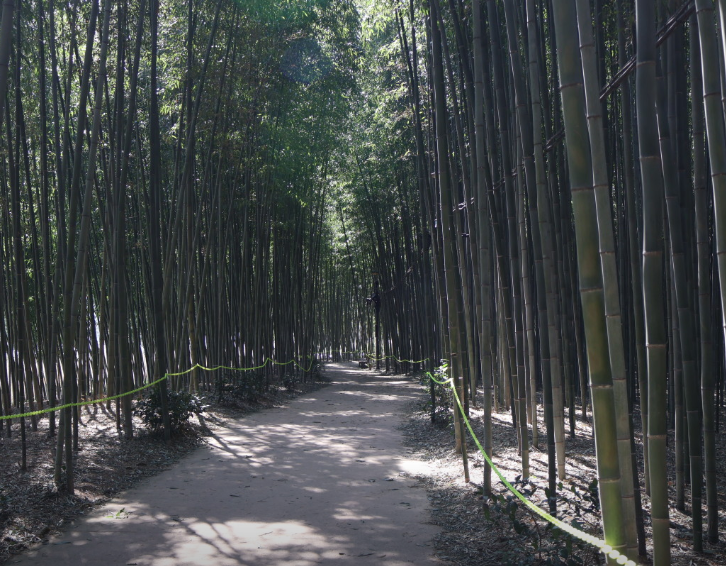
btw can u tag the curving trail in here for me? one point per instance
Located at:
(315, 482)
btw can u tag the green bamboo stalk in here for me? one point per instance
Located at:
(715, 134)
(483, 233)
(447, 224)
(686, 326)
(64, 429)
(74, 290)
(722, 53)
(704, 283)
(651, 176)
(609, 270)
(6, 39)
(543, 220)
(636, 296)
(506, 163)
(536, 188)
(522, 314)
(676, 420)
(590, 271)
(467, 329)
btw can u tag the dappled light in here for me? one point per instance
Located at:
(509, 210)
(321, 480)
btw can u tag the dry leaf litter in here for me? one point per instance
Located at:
(32, 509)
(470, 538)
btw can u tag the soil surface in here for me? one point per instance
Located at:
(321, 480)
(32, 509)
(327, 478)
(479, 531)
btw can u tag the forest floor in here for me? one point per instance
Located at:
(479, 532)
(473, 531)
(32, 509)
(321, 479)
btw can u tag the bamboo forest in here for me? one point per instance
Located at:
(517, 207)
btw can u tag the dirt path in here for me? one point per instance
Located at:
(316, 482)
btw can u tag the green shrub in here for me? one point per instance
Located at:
(440, 400)
(181, 405)
(246, 386)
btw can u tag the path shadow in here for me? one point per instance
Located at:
(319, 481)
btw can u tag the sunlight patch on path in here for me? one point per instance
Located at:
(320, 481)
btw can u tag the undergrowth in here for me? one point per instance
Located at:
(181, 405)
(548, 545)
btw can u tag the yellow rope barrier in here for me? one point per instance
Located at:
(604, 547)
(569, 529)
(374, 358)
(138, 389)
